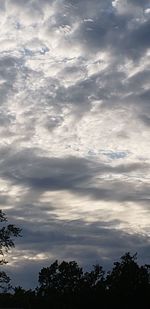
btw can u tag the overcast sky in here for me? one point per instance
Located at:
(74, 131)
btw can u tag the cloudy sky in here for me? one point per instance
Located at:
(74, 131)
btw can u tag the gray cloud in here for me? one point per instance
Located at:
(78, 175)
(145, 119)
(144, 3)
(74, 128)
(137, 42)
(8, 74)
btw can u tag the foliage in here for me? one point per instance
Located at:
(63, 277)
(127, 276)
(7, 233)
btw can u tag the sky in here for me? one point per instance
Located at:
(74, 131)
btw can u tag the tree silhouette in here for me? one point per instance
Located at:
(62, 278)
(94, 278)
(7, 232)
(127, 280)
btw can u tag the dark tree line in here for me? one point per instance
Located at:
(66, 286)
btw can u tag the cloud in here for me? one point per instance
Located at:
(74, 128)
(144, 3)
(145, 119)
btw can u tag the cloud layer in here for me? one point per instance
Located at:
(74, 128)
